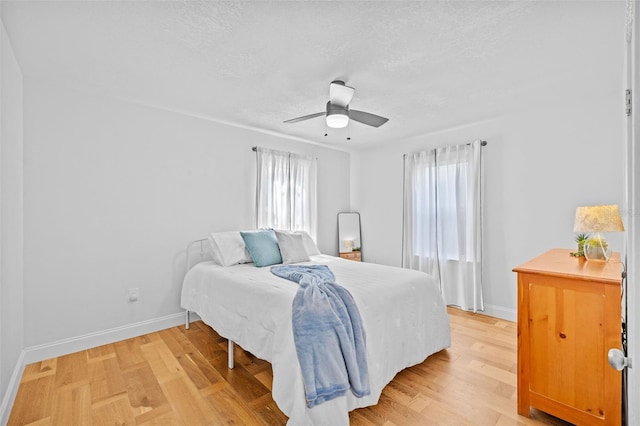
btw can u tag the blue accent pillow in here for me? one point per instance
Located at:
(263, 247)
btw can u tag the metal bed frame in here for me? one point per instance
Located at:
(204, 247)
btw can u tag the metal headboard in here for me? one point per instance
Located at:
(203, 251)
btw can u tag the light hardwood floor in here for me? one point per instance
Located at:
(180, 377)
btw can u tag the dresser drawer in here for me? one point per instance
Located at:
(353, 255)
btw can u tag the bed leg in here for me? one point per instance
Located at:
(230, 353)
(187, 323)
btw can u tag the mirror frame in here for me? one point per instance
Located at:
(357, 238)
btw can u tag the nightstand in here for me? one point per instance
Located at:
(569, 316)
(352, 255)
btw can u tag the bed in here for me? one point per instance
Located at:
(402, 311)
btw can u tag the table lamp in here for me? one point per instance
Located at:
(597, 219)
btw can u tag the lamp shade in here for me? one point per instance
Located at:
(598, 219)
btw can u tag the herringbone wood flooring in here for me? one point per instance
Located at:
(180, 377)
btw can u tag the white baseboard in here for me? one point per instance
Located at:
(92, 340)
(500, 312)
(12, 390)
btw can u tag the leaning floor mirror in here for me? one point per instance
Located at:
(349, 241)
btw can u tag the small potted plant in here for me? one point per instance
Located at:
(581, 239)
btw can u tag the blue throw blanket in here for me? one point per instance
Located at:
(328, 334)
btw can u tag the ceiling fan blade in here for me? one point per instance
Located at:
(339, 94)
(367, 118)
(305, 117)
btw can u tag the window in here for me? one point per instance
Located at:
(442, 226)
(286, 191)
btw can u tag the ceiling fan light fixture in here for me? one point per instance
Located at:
(338, 114)
(337, 119)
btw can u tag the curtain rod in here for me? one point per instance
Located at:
(482, 143)
(255, 149)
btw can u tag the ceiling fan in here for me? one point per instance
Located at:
(338, 112)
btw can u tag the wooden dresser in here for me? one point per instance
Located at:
(352, 255)
(569, 316)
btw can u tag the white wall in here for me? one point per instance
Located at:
(11, 210)
(114, 191)
(539, 166)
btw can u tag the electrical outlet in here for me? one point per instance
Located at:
(134, 294)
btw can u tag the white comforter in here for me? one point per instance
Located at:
(404, 318)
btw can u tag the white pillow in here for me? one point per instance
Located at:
(309, 245)
(228, 248)
(291, 247)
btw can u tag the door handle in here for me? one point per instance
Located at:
(618, 360)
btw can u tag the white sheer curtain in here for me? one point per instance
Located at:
(442, 223)
(286, 191)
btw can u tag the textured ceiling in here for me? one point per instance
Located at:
(425, 65)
